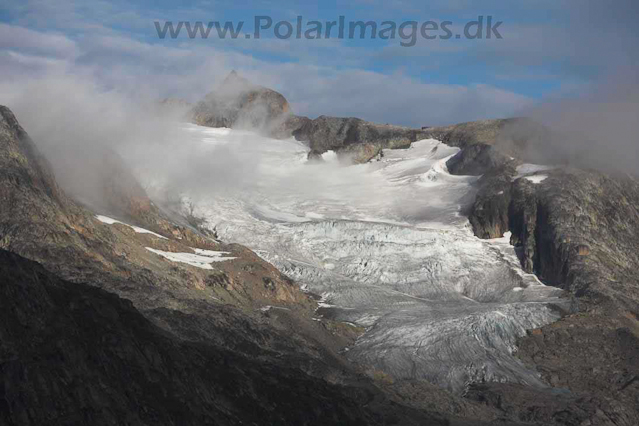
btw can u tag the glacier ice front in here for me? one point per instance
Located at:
(386, 247)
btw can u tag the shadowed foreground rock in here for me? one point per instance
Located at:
(75, 355)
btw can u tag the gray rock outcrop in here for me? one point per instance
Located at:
(359, 139)
(578, 230)
(476, 160)
(238, 103)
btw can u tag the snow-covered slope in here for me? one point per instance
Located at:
(386, 247)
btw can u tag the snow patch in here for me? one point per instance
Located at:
(532, 172)
(110, 221)
(211, 253)
(202, 260)
(536, 179)
(330, 156)
(269, 307)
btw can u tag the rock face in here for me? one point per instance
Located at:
(476, 160)
(238, 103)
(513, 136)
(359, 139)
(363, 140)
(34, 212)
(575, 229)
(22, 162)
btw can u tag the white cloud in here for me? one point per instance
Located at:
(190, 70)
(25, 41)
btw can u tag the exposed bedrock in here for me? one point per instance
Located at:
(359, 139)
(363, 140)
(238, 103)
(476, 160)
(575, 229)
(470, 133)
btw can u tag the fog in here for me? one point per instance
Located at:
(78, 105)
(75, 121)
(77, 124)
(595, 129)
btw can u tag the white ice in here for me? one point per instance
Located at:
(387, 248)
(536, 179)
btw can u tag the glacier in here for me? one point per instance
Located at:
(385, 246)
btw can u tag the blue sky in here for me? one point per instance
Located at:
(549, 49)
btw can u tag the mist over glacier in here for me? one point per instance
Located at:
(384, 244)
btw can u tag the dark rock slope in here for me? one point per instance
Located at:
(465, 134)
(578, 230)
(39, 221)
(514, 136)
(71, 354)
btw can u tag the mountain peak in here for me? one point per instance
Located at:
(236, 82)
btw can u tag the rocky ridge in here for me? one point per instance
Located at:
(575, 229)
(354, 138)
(238, 103)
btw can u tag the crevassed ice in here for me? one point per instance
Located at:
(386, 247)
